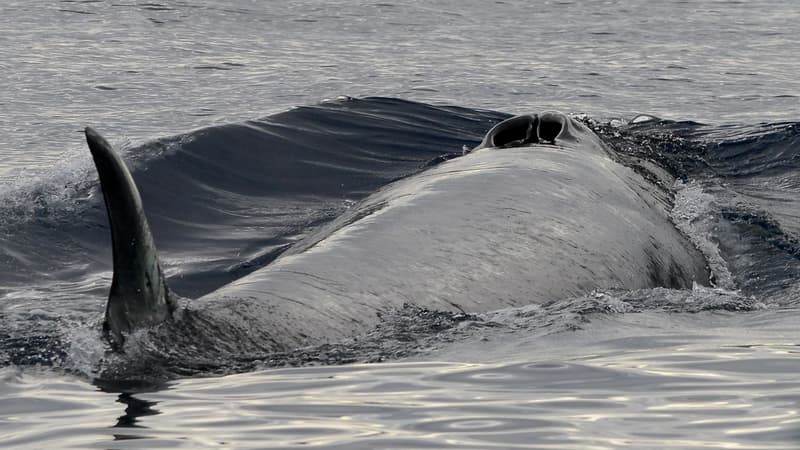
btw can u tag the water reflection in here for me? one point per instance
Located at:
(641, 398)
(134, 409)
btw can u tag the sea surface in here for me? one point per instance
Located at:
(248, 124)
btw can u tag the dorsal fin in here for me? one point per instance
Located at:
(139, 295)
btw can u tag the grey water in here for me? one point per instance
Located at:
(140, 69)
(712, 367)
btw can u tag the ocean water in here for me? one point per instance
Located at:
(224, 108)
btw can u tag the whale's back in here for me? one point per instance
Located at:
(495, 228)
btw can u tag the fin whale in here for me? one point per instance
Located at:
(539, 211)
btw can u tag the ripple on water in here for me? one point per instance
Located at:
(688, 395)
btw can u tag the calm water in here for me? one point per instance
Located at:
(144, 69)
(621, 382)
(707, 368)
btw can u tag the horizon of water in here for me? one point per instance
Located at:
(141, 70)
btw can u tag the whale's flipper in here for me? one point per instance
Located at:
(139, 295)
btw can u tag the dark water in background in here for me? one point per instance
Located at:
(646, 369)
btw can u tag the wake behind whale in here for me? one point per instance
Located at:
(538, 212)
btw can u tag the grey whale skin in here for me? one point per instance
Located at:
(539, 211)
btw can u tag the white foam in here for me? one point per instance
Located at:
(695, 214)
(642, 118)
(63, 191)
(87, 347)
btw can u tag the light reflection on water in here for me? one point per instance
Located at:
(140, 71)
(703, 395)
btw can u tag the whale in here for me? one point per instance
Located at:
(539, 211)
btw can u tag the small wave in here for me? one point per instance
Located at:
(749, 150)
(566, 315)
(695, 214)
(414, 332)
(235, 189)
(737, 196)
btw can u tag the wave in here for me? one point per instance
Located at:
(226, 200)
(744, 185)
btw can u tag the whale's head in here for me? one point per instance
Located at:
(546, 128)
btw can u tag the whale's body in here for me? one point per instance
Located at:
(538, 212)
